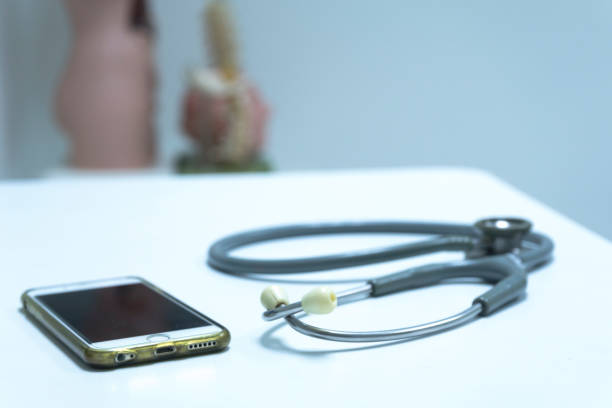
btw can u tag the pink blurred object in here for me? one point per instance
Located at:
(105, 99)
(225, 119)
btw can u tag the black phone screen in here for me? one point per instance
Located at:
(116, 312)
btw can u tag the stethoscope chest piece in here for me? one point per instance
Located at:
(500, 235)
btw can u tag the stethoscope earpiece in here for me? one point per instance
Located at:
(321, 300)
(274, 296)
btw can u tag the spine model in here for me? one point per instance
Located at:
(223, 112)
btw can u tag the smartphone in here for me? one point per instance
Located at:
(120, 321)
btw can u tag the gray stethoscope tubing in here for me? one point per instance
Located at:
(498, 250)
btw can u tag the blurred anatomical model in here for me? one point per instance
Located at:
(223, 113)
(105, 99)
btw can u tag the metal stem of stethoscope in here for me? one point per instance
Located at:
(359, 293)
(386, 335)
(498, 250)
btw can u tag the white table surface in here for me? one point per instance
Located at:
(554, 348)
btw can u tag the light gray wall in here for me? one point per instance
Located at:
(519, 88)
(34, 41)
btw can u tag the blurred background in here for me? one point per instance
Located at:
(521, 89)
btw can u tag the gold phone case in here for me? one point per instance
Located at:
(117, 357)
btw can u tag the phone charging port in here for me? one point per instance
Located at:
(165, 350)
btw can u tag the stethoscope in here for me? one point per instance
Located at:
(499, 251)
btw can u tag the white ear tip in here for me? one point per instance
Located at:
(274, 296)
(320, 300)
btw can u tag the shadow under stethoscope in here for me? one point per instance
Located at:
(275, 343)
